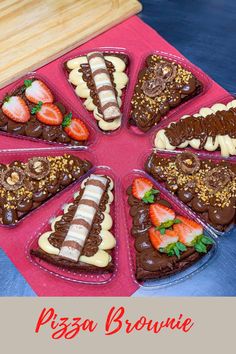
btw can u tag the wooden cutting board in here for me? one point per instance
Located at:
(34, 32)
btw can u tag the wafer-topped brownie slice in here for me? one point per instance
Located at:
(32, 111)
(165, 242)
(208, 187)
(100, 78)
(211, 129)
(26, 185)
(161, 86)
(80, 238)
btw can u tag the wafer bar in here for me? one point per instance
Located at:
(82, 221)
(104, 87)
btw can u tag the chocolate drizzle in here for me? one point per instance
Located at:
(220, 123)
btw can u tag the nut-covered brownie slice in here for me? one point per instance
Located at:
(26, 185)
(208, 187)
(161, 86)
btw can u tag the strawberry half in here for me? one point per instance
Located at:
(36, 91)
(48, 113)
(15, 108)
(161, 215)
(75, 128)
(166, 243)
(142, 190)
(187, 230)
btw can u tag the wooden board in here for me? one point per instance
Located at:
(34, 32)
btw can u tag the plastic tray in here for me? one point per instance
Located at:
(66, 274)
(190, 111)
(199, 74)
(182, 275)
(7, 156)
(88, 114)
(59, 98)
(167, 154)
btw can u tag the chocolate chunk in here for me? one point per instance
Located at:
(189, 163)
(12, 178)
(38, 168)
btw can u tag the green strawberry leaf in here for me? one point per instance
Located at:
(36, 108)
(181, 246)
(149, 196)
(177, 221)
(162, 231)
(28, 83)
(67, 120)
(207, 240)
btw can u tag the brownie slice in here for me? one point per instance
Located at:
(24, 186)
(208, 187)
(151, 263)
(161, 86)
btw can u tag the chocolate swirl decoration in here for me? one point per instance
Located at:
(153, 87)
(82, 221)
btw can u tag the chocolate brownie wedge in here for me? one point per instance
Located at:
(165, 243)
(24, 186)
(162, 85)
(80, 238)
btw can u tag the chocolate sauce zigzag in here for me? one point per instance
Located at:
(96, 253)
(211, 129)
(161, 86)
(26, 185)
(150, 263)
(207, 187)
(113, 72)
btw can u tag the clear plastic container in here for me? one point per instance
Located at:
(199, 74)
(88, 114)
(182, 275)
(102, 277)
(190, 111)
(8, 156)
(214, 158)
(58, 98)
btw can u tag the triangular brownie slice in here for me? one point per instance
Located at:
(207, 186)
(165, 241)
(34, 111)
(25, 185)
(162, 85)
(99, 80)
(80, 238)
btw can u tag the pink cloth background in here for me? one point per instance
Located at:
(137, 38)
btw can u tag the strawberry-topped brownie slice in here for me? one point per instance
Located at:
(32, 111)
(165, 242)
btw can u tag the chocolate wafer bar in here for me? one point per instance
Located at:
(80, 239)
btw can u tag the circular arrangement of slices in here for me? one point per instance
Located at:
(173, 209)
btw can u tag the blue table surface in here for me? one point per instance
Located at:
(204, 31)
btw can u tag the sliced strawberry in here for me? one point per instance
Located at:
(15, 108)
(36, 91)
(187, 230)
(48, 113)
(75, 128)
(160, 241)
(161, 214)
(140, 187)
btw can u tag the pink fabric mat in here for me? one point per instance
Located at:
(136, 37)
